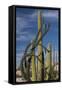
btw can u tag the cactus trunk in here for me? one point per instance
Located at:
(39, 49)
(48, 63)
(33, 67)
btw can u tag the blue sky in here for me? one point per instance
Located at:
(27, 28)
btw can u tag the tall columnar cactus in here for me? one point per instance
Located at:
(39, 76)
(33, 67)
(48, 63)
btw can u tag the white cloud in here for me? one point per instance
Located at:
(24, 37)
(21, 38)
(53, 14)
(19, 50)
(34, 15)
(21, 23)
(18, 57)
(19, 54)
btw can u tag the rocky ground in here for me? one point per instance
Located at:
(19, 76)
